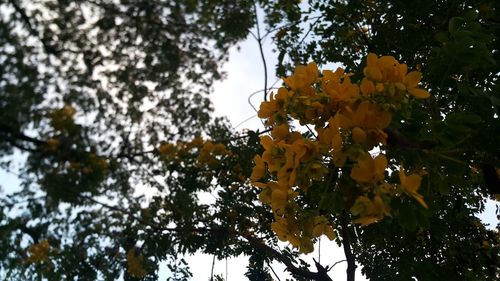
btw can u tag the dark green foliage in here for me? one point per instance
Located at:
(455, 45)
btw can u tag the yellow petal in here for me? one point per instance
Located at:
(366, 220)
(363, 171)
(373, 73)
(259, 184)
(367, 87)
(403, 70)
(387, 62)
(361, 175)
(420, 200)
(265, 195)
(280, 132)
(358, 135)
(371, 59)
(412, 183)
(329, 232)
(413, 78)
(259, 169)
(306, 246)
(380, 164)
(419, 93)
(266, 142)
(312, 72)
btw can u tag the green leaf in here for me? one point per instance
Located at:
(454, 24)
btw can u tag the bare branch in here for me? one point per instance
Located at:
(259, 41)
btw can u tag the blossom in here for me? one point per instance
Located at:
(410, 185)
(303, 76)
(369, 170)
(39, 252)
(259, 170)
(369, 210)
(411, 81)
(338, 86)
(284, 229)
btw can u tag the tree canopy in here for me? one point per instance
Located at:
(391, 156)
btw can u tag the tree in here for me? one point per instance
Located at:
(106, 97)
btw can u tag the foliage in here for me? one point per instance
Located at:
(106, 98)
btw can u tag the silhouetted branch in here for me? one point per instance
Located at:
(346, 243)
(258, 244)
(48, 49)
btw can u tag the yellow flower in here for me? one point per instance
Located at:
(303, 76)
(358, 135)
(321, 227)
(280, 132)
(367, 87)
(369, 210)
(330, 136)
(285, 231)
(410, 185)
(386, 69)
(365, 115)
(273, 154)
(259, 170)
(372, 70)
(338, 86)
(411, 81)
(369, 170)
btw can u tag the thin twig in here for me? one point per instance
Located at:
(329, 268)
(212, 271)
(272, 269)
(289, 25)
(319, 250)
(259, 41)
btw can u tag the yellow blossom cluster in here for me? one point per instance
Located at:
(209, 153)
(349, 120)
(62, 118)
(135, 264)
(39, 252)
(90, 164)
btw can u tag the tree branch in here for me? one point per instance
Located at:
(13, 136)
(48, 49)
(258, 244)
(346, 243)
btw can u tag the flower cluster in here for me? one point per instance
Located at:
(39, 252)
(349, 121)
(209, 153)
(135, 264)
